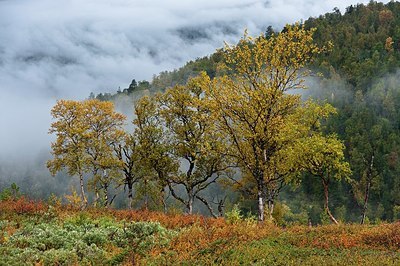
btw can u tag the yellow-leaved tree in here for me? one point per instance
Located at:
(105, 130)
(255, 103)
(194, 139)
(154, 148)
(69, 148)
(127, 152)
(85, 133)
(323, 157)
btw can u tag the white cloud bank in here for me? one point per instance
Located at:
(51, 49)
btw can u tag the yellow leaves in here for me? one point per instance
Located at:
(187, 120)
(389, 44)
(274, 61)
(85, 131)
(265, 124)
(323, 156)
(74, 199)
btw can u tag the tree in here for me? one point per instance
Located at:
(131, 166)
(104, 130)
(288, 163)
(194, 140)
(133, 86)
(69, 148)
(85, 133)
(154, 146)
(324, 158)
(252, 104)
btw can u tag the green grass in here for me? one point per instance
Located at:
(272, 251)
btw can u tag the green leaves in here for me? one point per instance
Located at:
(323, 156)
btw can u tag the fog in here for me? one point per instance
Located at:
(53, 49)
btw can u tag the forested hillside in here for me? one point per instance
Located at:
(360, 79)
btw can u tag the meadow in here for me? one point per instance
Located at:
(48, 233)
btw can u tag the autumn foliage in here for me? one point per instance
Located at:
(22, 205)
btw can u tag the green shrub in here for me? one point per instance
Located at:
(10, 193)
(142, 236)
(234, 216)
(79, 240)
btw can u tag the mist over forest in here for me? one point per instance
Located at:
(67, 49)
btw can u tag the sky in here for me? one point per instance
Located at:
(65, 49)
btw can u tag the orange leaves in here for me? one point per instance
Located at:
(214, 236)
(384, 236)
(22, 206)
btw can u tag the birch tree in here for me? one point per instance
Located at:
(85, 132)
(324, 158)
(69, 148)
(195, 140)
(252, 102)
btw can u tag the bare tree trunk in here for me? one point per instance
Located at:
(209, 207)
(189, 188)
(326, 192)
(190, 206)
(106, 203)
(190, 202)
(367, 190)
(260, 195)
(83, 196)
(130, 196)
(221, 207)
(272, 191)
(270, 208)
(164, 202)
(365, 206)
(97, 197)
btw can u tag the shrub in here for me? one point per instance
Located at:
(10, 193)
(234, 216)
(79, 240)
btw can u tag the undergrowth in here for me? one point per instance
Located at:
(38, 233)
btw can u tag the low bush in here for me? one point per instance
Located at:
(78, 240)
